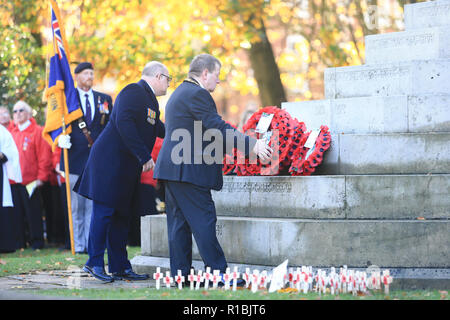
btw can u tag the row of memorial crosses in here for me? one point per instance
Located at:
(346, 281)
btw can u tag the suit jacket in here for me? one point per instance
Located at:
(189, 103)
(79, 152)
(114, 166)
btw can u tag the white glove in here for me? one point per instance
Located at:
(64, 142)
(262, 150)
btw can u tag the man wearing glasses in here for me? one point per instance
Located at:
(113, 170)
(35, 164)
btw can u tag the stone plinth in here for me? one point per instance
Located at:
(403, 114)
(395, 153)
(267, 241)
(336, 197)
(419, 44)
(427, 14)
(389, 79)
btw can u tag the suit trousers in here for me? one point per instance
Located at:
(191, 211)
(108, 230)
(81, 217)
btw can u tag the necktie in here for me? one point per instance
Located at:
(88, 115)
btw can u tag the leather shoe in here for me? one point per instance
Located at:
(129, 275)
(98, 273)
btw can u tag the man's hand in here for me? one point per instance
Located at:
(64, 142)
(149, 165)
(262, 150)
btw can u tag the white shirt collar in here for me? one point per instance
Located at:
(82, 92)
(24, 125)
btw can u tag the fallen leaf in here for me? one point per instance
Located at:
(58, 263)
(287, 290)
(165, 294)
(3, 262)
(205, 293)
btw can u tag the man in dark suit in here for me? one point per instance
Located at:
(113, 171)
(188, 183)
(96, 108)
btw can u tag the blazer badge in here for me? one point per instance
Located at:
(151, 116)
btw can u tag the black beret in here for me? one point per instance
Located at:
(83, 66)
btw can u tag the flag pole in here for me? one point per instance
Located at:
(69, 200)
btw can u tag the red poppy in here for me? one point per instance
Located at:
(288, 138)
(305, 160)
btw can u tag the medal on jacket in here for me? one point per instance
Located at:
(104, 110)
(25, 143)
(151, 116)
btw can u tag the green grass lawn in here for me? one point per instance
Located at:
(27, 261)
(219, 294)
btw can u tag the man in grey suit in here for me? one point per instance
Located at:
(188, 183)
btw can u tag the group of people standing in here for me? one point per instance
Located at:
(33, 211)
(107, 161)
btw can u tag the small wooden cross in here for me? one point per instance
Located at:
(198, 279)
(227, 279)
(168, 279)
(387, 280)
(191, 278)
(215, 278)
(158, 276)
(179, 279)
(207, 277)
(235, 276)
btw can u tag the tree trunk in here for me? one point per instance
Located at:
(266, 72)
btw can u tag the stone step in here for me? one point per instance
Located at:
(404, 278)
(423, 113)
(265, 241)
(388, 79)
(336, 197)
(427, 14)
(417, 44)
(393, 153)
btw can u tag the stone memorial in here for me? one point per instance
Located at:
(380, 197)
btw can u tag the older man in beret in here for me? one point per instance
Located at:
(96, 108)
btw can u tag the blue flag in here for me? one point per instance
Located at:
(63, 106)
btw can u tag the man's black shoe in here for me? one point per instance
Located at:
(129, 275)
(98, 273)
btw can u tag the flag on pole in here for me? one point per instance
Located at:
(62, 101)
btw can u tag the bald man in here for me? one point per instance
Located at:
(113, 171)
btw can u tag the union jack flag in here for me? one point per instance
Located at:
(63, 104)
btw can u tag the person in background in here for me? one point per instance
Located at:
(97, 107)
(5, 118)
(35, 163)
(9, 169)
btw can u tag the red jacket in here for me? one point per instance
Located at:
(10, 126)
(34, 153)
(147, 177)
